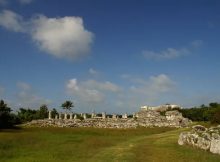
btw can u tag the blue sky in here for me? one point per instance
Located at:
(111, 56)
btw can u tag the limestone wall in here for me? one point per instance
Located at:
(202, 138)
(142, 118)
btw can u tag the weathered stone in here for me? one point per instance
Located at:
(93, 115)
(134, 115)
(202, 138)
(60, 116)
(49, 115)
(114, 116)
(84, 116)
(215, 146)
(71, 116)
(103, 115)
(143, 118)
(183, 138)
(125, 116)
(199, 128)
(203, 143)
(65, 116)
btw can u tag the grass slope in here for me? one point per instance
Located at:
(89, 144)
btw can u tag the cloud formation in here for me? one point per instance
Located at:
(154, 86)
(167, 54)
(62, 37)
(196, 43)
(93, 72)
(12, 21)
(111, 97)
(27, 97)
(23, 86)
(172, 53)
(90, 90)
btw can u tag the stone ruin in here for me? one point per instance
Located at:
(143, 118)
(202, 138)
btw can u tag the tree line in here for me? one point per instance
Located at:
(8, 119)
(205, 113)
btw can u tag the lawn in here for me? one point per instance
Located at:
(90, 144)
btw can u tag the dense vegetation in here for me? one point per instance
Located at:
(8, 119)
(203, 113)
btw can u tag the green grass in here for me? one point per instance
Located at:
(90, 144)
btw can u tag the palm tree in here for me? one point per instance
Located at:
(67, 105)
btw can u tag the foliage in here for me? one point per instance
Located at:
(203, 113)
(7, 119)
(29, 114)
(67, 105)
(4, 115)
(216, 117)
(42, 112)
(54, 113)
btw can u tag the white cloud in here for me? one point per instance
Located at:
(26, 97)
(104, 86)
(114, 98)
(93, 72)
(197, 43)
(83, 93)
(161, 83)
(90, 90)
(172, 53)
(25, 1)
(11, 21)
(154, 86)
(168, 54)
(23, 86)
(62, 37)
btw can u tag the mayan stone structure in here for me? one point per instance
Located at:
(143, 118)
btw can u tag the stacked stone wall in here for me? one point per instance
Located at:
(142, 118)
(202, 138)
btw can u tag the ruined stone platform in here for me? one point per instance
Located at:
(148, 118)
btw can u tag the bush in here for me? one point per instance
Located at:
(7, 120)
(216, 118)
(203, 113)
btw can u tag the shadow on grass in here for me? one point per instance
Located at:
(10, 128)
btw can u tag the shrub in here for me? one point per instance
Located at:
(216, 118)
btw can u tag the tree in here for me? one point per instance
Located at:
(5, 117)
(27, 114)
(67, 105)
(214, 104)
(54, 113)
(216, 117)
(43, 112)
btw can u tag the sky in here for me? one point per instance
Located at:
(109, 55)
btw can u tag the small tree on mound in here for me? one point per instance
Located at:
(67, 105)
